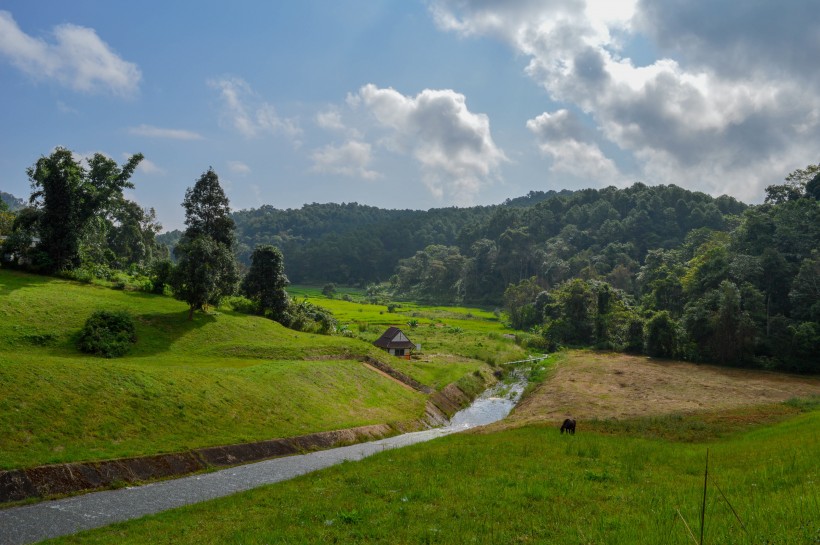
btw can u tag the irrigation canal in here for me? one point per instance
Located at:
(49, 519)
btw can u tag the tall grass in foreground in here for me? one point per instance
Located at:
(528, 485)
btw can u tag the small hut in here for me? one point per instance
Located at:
(395, 342)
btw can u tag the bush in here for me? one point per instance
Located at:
(241, 304)
(108, 334)
(160, 275)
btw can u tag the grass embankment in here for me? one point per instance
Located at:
(221, 378)
(528, 485)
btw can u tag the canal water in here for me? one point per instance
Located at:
(492, 405)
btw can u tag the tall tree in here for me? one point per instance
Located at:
(69, 198)
(206, 265)
(208, 212)
(266, 281)
(205, 272)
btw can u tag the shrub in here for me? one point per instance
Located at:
(108, 334)
(241, 304)
(160, 275)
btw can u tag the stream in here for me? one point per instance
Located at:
(493, 404)
(49, 519)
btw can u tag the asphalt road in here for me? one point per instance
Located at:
(45, 520)
(32, 523)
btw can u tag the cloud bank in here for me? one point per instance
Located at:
(728, 106)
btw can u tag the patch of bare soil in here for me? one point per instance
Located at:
(586, 385)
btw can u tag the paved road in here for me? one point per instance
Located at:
(32, 523)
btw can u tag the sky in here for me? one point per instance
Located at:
(413, 104)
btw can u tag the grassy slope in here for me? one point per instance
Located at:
(219, 379)
(527, 485)
(453, 339)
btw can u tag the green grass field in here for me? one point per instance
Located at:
(219, 379)
(529, 485)
(445, 333)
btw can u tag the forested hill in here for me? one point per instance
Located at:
(350, 243)
(358, 244)
(472, 254)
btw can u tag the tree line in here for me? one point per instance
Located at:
(746, 294)
(78, 223)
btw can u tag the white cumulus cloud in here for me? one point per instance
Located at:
(349, 159)
(453, 145)
(77, 58)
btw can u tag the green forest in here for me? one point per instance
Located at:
(652, 269)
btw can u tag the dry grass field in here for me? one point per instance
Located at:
(588, 385)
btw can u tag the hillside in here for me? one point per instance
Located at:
(219, 379)
(357, 244)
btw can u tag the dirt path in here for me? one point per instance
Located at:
(589, 385)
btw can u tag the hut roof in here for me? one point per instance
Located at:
(394, 338)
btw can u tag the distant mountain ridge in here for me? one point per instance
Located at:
(13, 202)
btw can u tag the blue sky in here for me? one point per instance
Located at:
(406, 104)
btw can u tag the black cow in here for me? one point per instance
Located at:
(568, 426)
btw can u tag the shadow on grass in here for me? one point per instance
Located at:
(157, 332)
(12, 280)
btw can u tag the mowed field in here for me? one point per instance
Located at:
(587, 386)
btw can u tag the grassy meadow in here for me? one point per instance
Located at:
(448, 335)
(219, 379)
(533, 485)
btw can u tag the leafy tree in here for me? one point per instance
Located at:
(69, 197)
(661, 335)
(579, 308)
(805, 290)
(6, 219)
(206, 267)
(161, 275)
(519, 302)
(796, 186)
(205, 272)
(328, 290)
(305, 316)
(266, 281)
(131, 236)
